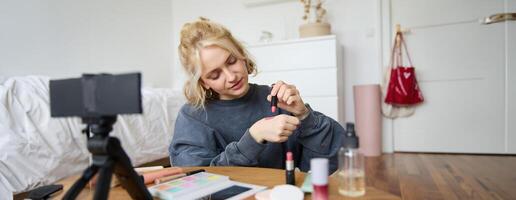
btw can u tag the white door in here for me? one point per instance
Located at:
(463, 70)
(511, 80)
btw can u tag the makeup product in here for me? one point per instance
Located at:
(148, 177)
(142, 170)
(169, 178)
(307, 183)
(151, 176)
(289, 172)
(281, 192)
(274, 102)
(319, 168)
(204, 185)
(351, 165)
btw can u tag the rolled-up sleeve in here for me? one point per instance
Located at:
(320, 137)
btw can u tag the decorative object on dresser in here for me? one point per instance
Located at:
(266, 36)
(314, 20)
(311, 64)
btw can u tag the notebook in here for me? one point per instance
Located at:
(204, 185)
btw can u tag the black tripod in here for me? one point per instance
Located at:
(108, 157)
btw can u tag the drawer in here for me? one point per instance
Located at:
(314, 82)
(299, 55)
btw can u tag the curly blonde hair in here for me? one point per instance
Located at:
(199, 34)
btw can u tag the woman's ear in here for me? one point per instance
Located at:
(204, 85)
(248, 66)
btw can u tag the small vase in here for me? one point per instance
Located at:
(314, 29)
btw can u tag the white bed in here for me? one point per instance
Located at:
(36, 149)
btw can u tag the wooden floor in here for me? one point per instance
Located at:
(443, 176)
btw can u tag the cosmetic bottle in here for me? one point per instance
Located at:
(351, 173)
(319, 168)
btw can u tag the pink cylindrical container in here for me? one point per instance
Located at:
(319, 168)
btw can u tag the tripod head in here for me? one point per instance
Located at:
(100, 125)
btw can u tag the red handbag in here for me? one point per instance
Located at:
(403, 89)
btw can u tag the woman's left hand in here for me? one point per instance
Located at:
(289, 99)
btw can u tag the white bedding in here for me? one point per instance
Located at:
(36, 149)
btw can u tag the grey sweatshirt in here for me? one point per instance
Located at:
(219, 135)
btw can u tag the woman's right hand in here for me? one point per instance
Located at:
(274, 129)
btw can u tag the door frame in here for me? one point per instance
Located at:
(384, 42)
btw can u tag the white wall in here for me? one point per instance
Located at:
(355, 22)
(64, 38)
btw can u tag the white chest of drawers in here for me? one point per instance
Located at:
(311, 64)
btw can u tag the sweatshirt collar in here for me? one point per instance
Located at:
(240, 100)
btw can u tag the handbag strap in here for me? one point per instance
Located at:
(397, 51)
(393, 52)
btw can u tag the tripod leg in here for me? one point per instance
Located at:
(110, 157)
(129, 179)
(104, 181)
(77, 187)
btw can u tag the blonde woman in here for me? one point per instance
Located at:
(228, 121)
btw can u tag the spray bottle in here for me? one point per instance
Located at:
(351, 165)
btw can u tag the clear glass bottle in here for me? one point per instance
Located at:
(351, 173)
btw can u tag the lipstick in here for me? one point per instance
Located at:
(274, 102)
(289, 172)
